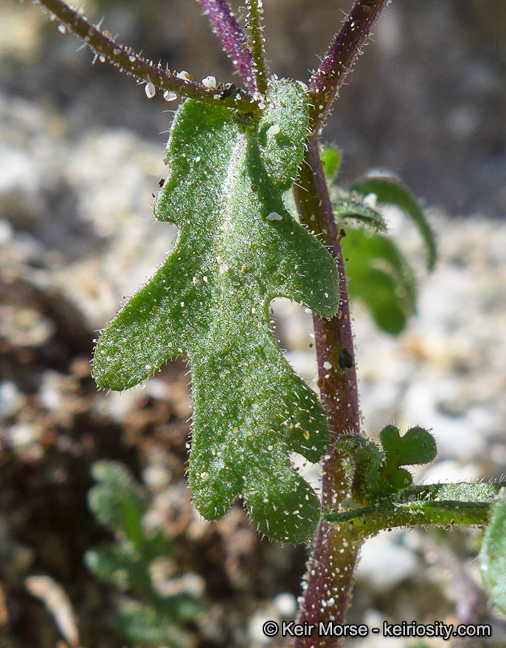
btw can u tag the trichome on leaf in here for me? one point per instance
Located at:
(238, 248)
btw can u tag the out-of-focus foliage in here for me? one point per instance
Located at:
(119, 503)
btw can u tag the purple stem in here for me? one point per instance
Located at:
(340, 58)
(107, 48)
(234, 41)
(329, 580)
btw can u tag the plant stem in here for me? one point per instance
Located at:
(371, 519)
(255, 24)
(330, 575)
(234, 41)
(145, 71)
(329, 580)
(341, 57)
(424, 505)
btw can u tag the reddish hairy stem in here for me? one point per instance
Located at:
(341, 57)
(234, 41)
(329, 579)
(330, 575)
(127, 61)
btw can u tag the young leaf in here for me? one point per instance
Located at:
(367, 459)
(417, 446)
(390, 192)
(112, 564)
(129, 563)
(331, 160)
(350, 205)
(141, 623)
(381, 277)
(117, 501)
(376, 472)
(238, 248)
(492, 556)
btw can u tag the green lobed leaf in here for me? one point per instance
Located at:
(238, 248)
(390, 192)
(380, 276)
(113, 564)
(492, 556)
(117, 501)
(376, 471)
(417, 446)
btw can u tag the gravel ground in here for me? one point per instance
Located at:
(76, 237)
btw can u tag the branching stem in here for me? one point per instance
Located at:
(341, 57)
(255, 24)
(102, 43)
(368, 521)
(233, 38)
(329, 579)
(425, 505)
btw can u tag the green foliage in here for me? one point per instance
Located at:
(378, 273)
(140, 623)
(377, 471)
(389, 191)
(380, 276)
(238, 248)
(492, 556)
(417, 446)
(119, 503)
(350, 205)
(331, 160)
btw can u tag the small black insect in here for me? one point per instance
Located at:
(229, 91)
(161, 182)
(345, 359)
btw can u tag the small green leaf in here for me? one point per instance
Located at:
(350, 205)
(417, 446)
(377, 471)
(492, 556)
(117, 501)
(114, 473)
(331, 161)
(181, 606)
(380, 276)
(238, 248)
(390, 192)
(112, 564)
(141, 623)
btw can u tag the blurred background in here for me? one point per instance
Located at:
(81, 155)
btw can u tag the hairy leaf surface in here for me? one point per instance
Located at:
(492, 556)
(238, 248)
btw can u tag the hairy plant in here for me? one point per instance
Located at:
(259, 217)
